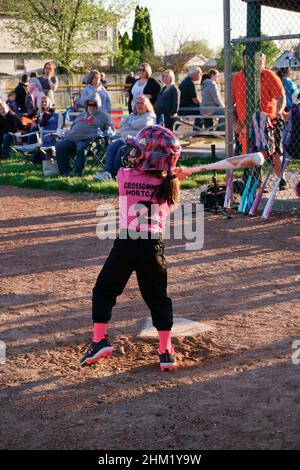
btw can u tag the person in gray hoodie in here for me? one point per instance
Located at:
(83, 130)
(94, 85)
(211, 101)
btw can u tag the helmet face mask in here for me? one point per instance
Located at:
(154, 148)
(129, 156)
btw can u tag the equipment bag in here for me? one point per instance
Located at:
(208, 198)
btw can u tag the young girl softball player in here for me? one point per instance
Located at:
(149, 188)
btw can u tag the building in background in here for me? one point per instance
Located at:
(17, 58)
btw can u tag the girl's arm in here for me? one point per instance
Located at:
(182, 173)
(53, 84)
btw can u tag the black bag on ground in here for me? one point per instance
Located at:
(209, 199)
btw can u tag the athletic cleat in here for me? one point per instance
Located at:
(96, 351)
(167, 361)
(282, 184)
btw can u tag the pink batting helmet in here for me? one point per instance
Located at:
(157, 149)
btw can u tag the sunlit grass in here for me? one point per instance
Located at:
(33, 177)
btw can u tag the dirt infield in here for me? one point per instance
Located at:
(236, 387)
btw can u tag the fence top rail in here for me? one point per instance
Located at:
(76, 86)
(246, 40)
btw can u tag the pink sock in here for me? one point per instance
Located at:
(100, 330)
(165, 342)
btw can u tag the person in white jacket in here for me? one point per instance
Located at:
(143, 115)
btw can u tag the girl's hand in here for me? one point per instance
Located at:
(182, 172)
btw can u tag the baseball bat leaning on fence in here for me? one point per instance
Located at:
(270, 202)
(244, 198)
(256, 176)
(251, 195)
(242, 161)
(257, 200)
(229, 190)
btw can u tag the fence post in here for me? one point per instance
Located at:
(227, 79)
(253, 66)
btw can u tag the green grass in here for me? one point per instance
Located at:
(33, 178)
(294, 165)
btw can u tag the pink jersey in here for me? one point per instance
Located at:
(139, 208)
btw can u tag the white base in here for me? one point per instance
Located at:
(181, 327)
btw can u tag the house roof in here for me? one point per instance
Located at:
(185, 59)
(286, 60)
(292, 5)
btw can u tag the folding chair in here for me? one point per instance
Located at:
(34, 153)
(116, 115)
(27, 150)
(95, 154)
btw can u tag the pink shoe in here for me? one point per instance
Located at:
(167, 361)
(96, 351)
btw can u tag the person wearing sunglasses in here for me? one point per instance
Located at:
(145, 84)
(83, 130)
(143, 116)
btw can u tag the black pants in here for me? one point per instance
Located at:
(146, 257)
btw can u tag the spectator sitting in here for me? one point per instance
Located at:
(211, 98)
(94, 86)
(167, 103)
(21, 93)
(143, 85)
(142, 116)
(9, 122)
(83, 130)
(49, 80)
(11, 102)
(50, 121)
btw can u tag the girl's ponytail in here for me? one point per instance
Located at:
(169, 190)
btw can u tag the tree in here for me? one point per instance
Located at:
(125, 42)
(197, 47)
(149, 34)
(142, 37)
(269, 48)
(62, 28)
(124, 58)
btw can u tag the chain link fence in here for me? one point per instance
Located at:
(262, 74)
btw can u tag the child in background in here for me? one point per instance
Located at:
(152, 159)
(11, 102)
(36, 92)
